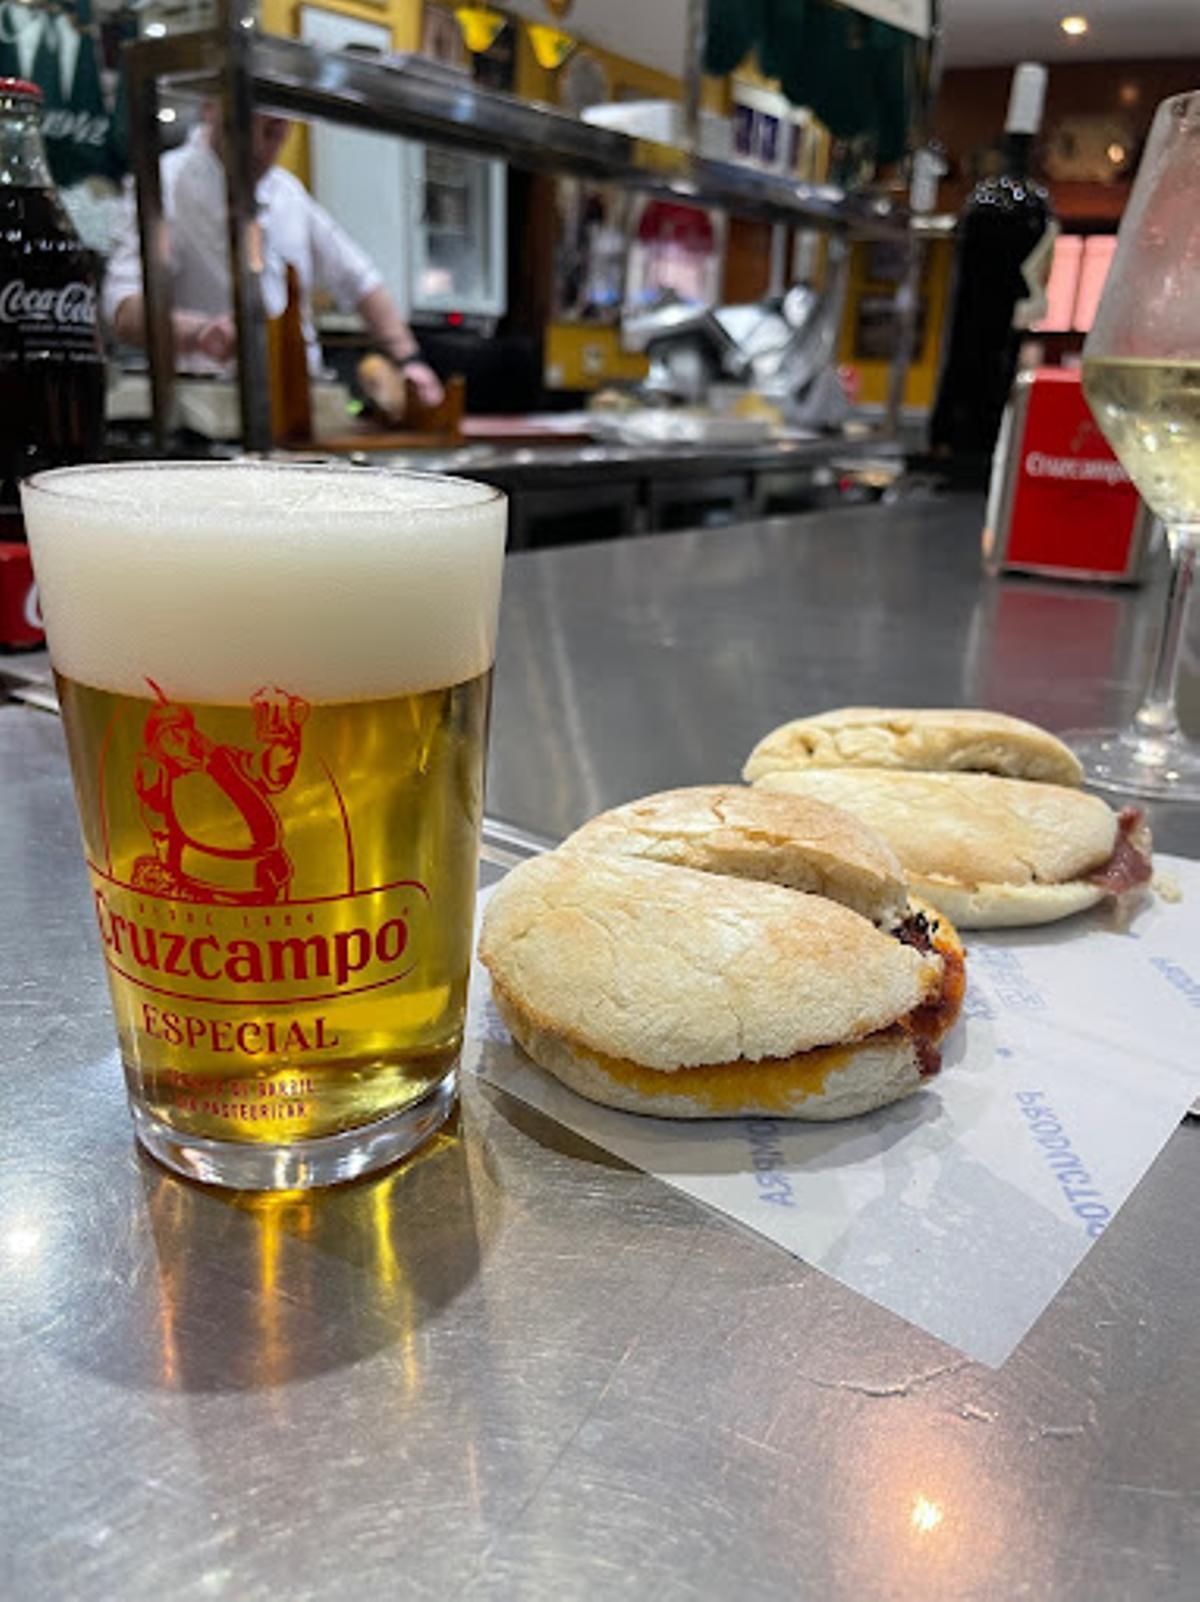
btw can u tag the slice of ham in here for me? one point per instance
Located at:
(929, 1057)
(925, 1025)
(1130, 865)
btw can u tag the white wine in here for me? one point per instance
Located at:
(1149, 410)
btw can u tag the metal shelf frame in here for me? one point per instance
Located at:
(245, 70)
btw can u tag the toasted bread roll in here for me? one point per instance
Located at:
(833, 1082)
(744, 833)
(660, 988)
(986, 851)
(922, 739)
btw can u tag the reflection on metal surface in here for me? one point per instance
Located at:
(517, 1368)
(644, 664)
(406, 1242)
(926, 1515)
(1030, 638)
(21, 1240)
(942, 1503)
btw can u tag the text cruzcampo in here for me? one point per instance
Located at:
(1081, 1195)
(210, 959)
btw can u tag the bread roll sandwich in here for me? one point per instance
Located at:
(989, 852)
(662, 961)
(925, 739)
(731, 829)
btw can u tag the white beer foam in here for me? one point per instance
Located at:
(213, 580)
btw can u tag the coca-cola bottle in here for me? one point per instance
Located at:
(51, 358)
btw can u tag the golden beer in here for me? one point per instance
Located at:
(282, 869)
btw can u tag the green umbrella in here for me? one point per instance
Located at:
(827, 68)
(118, 127)
(894, 56)
(734, 28)
(782, 38)
(10, 60)
(46, 71)
(90, 121)
(855, 74)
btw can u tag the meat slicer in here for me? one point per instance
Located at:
(781, 348)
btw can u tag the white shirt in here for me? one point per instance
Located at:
(295, 229)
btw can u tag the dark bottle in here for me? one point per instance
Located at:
(51, 358)
(1005, 239)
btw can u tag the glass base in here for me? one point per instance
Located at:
(1157, 768)
(329, 1160)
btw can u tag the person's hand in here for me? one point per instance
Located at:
(217, 339)
(425, 382)
(196, 335)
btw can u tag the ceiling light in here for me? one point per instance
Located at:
(167, 114)
(155, 30)
(1116, 153)
(1074, 26)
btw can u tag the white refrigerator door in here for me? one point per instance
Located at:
(458, 232)
(360, 177)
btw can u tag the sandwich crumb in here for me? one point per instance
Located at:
(1167, 886)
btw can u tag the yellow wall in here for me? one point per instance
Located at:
(588, 356)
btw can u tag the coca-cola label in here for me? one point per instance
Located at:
(71, 305)
(75, 127)
(51, 354)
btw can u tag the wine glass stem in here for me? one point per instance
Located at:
(1156, 716)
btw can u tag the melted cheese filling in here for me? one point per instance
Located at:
(772, 1082)
(778, 1081)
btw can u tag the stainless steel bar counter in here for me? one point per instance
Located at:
(516, 1368)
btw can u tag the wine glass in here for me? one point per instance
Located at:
(1141, 375)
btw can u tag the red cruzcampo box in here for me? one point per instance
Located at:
(1060, 503)
(20, 616)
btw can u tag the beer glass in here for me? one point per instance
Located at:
(274, 683)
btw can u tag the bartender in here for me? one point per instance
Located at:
(296, 231)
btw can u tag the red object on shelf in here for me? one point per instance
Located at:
(20, 615)
(1060, 501)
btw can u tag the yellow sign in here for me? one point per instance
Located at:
(479, 27)
(551, 47)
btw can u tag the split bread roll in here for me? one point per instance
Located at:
(693, 992)
(791, 840)
(920, 739)
(990, 852)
